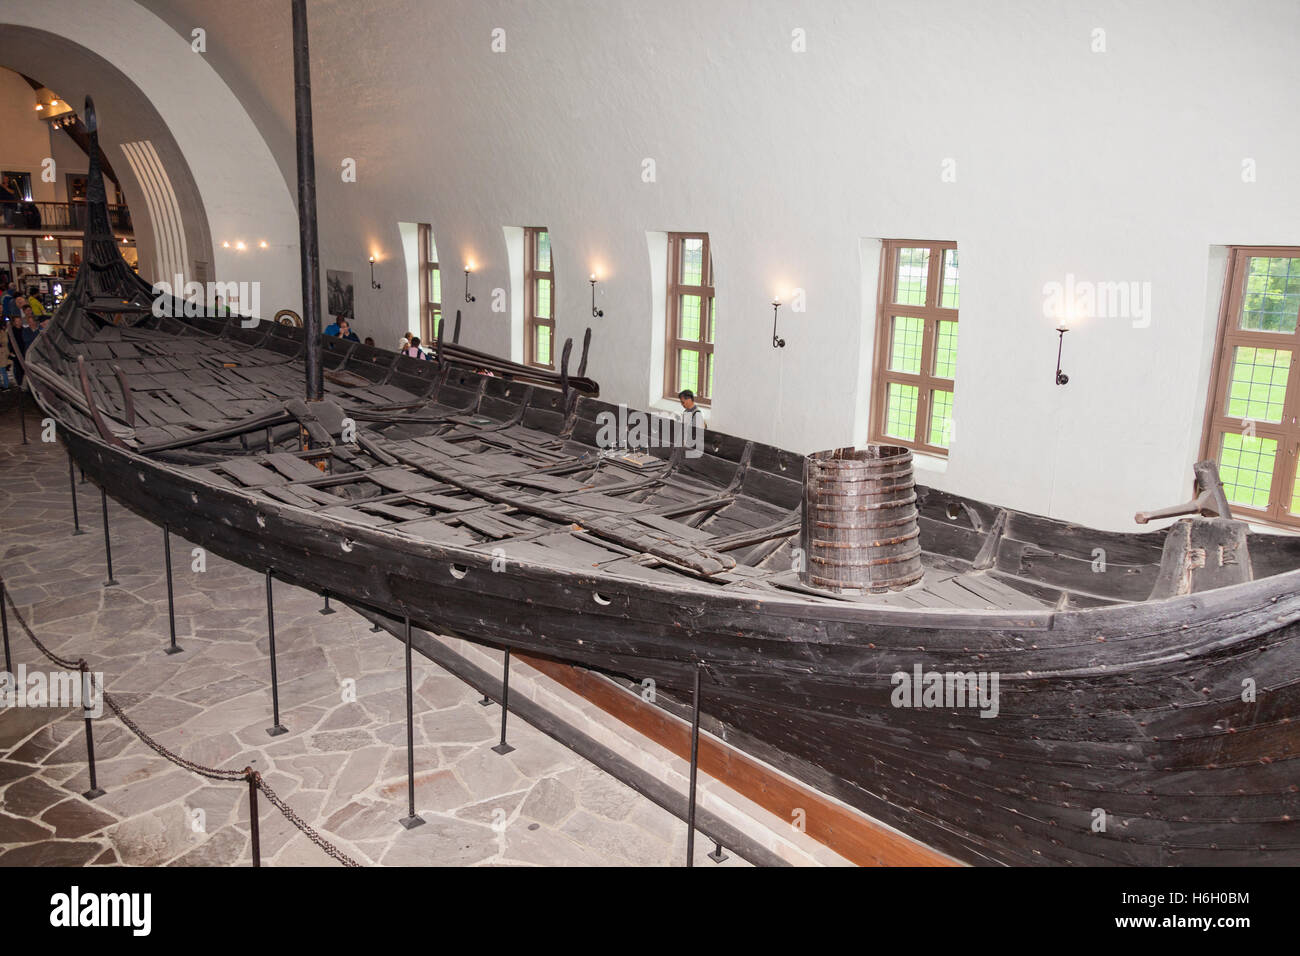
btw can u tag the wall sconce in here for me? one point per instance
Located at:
(469, 267)
(1061, 377)
(373, 283)
(777, 341)
(595, 312)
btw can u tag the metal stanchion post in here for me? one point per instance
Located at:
(327, 609)
(108, 547)
(276, 729)
(695, 766)
(412, 820)
(4, 626)
(504, 748)
(171, 598)
(94, 790)
(251, 776)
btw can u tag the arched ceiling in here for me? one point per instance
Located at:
(125, 116)
(149, 84)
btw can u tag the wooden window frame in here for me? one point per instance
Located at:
(1217, 421)
(931, 314)
(532, 321)
(674, 342)
(429, 309)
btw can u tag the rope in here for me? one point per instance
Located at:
(212, 773)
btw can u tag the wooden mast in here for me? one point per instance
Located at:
(310, 252)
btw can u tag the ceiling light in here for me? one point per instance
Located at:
(40, 106)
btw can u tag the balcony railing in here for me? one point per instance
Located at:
(53, 216)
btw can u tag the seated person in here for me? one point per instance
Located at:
(344, 330)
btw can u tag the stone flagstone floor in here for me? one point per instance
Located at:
(341, 767)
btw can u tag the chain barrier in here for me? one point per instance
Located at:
(212, 773)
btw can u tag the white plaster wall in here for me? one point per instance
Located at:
(244, 195)
(1114, 166)
(24, 138)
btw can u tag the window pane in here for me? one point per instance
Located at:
(433, 249)
(22, 250)
(71, 251)
(542, 347)
(945, 350)
(688, 325)
(1258, 386)
(940, 418)
(713, 318)
(905, 345)
(435, 325)
(543, 304)
(543, 252)
(900, 411)
(1246, 467)
(435, 285)
(1271, 298)
(948, 289)
(692, 262)
(912, 275)
(688, 370)
(4, 249)
(708, 375)
(48, 250)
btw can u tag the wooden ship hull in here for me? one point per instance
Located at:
(1143, 708)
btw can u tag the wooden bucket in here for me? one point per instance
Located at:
(859, 530)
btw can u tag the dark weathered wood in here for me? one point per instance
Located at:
(309, 250)
(483, 506)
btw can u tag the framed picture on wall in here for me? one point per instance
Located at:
(338, 298)
(77, 184)
(20, 184)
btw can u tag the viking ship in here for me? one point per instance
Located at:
(1140, 686)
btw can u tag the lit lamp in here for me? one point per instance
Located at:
(777, 341)
(373, 283)
(1061, 377)
(469, 267)
(595, 312)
